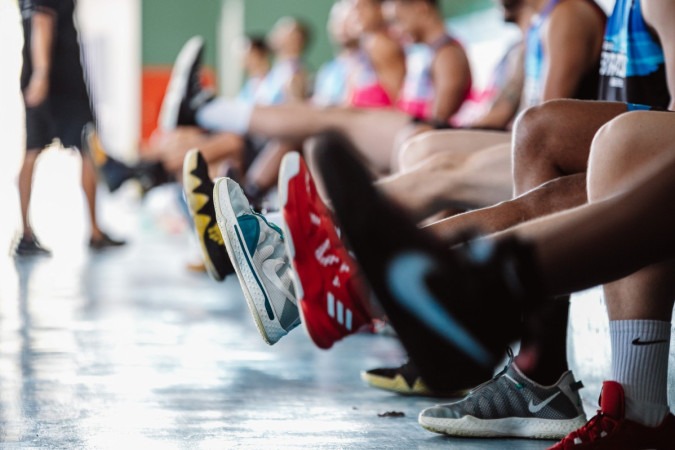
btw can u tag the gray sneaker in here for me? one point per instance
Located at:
(256, 249)
(511, 405)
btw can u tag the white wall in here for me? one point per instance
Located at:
(110, 31)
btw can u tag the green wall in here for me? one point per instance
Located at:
(167, 24)
(262, 14)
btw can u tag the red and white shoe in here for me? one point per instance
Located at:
(610, 430)
(330, 291)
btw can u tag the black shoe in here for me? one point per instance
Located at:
(112, 171)
(104, 242)
(151, 174)
(185, 93)
(406, 380)
(454, 311)
(198, 189)
(30, 247)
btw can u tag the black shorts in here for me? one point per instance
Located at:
(62, 118)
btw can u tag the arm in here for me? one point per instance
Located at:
(573, 41)
(42, 35)
(505, 106)
(297, 87)
(660, 16)
(388, 61)
(451, 76)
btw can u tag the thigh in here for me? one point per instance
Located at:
(625, 148)
(457, 145)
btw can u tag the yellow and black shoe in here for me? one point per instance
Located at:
(405, 380)
(112, 171)
(198, 189)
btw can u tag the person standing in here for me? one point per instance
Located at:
(57, 106)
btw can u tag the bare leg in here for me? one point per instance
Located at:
(264, 171)
(372, 131)
(26, 188)
(460, 143)
(551, 147)
(625, 227)
(453, 169)
(483, 178)
(89, 184)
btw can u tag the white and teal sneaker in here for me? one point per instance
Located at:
(511, 405)
(256, 249)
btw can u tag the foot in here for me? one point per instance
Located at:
(113, 172)
(184, 94)
(103, 241)
(610, 430)
(198, 189)
(406, 380)
(450, 309)
(256, 249)
(331, 294)
(30, 247)
(511, 405)
(151, 174)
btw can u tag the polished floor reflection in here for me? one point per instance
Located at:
(127, 349)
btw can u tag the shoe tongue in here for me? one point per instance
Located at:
(612, 401)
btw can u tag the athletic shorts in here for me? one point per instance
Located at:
(62, 118)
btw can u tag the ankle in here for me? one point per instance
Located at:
(646, 413)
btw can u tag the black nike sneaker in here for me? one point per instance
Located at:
(198, 189)
(185, 93)
(105, 242)
(454, 311)
(406, 380)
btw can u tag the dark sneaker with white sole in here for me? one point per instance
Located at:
(185, 93)
(256, 249)
(406, 380)
(198, 189)
(454, 310)
(29, 247)
(511, 405)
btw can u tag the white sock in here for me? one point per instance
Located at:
(640, 351)
(222, 114)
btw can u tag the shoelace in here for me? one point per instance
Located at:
(595, 429)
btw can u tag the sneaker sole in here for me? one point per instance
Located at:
(400, 386)
(517, 427)
(180, 75)
(190, 183)
(290, 168)
(249, 279)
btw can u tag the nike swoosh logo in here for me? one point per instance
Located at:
(637, 341)
(534, 409)
(270, 267)
(406, 276)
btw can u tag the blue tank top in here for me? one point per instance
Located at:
(535, 59)
(632, 67)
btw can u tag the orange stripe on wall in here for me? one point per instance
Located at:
(155, 80)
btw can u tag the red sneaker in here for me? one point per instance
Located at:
(330, 292)
(610, 430)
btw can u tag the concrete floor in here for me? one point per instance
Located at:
(127, 349)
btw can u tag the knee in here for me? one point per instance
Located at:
(533, 132)
(415, 150)
(617, 152)
(535, 143)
